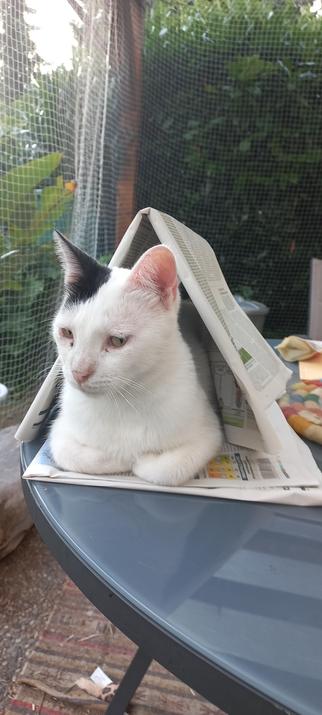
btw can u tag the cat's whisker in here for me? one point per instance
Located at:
(132, 383)
(111, 389)
(109, 394)
(129, 402)
(129, 381)
(44, 372)
(120, 384)
(127, 391)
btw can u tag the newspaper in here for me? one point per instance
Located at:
(263, 459)
(235, 468)
(261, 375)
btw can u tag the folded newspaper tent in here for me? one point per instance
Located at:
(262, 459)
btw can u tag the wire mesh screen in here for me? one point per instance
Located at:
(231, 140)
(106, 122)
(69, 108)
(36, 191)
(218, 122)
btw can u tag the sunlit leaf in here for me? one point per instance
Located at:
(249, 68)
(20, 181)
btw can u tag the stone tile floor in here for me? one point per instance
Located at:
(30, 578)
(30, 583)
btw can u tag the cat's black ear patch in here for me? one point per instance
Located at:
(83, 275)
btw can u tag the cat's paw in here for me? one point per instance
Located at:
(159, 469)
(71, 456)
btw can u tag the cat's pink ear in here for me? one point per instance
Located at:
(156, 271)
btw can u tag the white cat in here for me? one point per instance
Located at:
(131, 399)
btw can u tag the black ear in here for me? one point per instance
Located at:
(83, 276)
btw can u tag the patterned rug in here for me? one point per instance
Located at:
(76, 640)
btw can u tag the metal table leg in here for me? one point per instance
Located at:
(129, 683)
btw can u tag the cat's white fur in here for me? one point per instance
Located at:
(142, 409)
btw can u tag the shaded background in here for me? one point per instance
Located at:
(207, 109)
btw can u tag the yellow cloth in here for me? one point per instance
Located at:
(294, 349)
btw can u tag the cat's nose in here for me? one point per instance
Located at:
(82, 375)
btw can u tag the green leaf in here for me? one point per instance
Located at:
(191, 134)
(251, 67)
(34, 288)
(52, 272)
(245, 146)
(311, 156)
(20, 181)
(105, 259)
(167, 124)
(11, 285)
(210, 88)
(216, 121)
(21, 213)
(53, 204)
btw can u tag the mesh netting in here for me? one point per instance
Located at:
(231, 140)
(218, 122)
(69, 110)
(36, 164)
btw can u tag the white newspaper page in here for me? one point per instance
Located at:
(39, 408)
(237, 416)
(235, 467)
(243, 347)
(254, 469)
(260, 374)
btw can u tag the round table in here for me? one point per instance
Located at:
(225, 595)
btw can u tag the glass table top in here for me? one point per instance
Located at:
(239, 583)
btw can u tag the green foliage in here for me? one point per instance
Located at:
(27, 299)
(105, 259)
(18, 56)
(232, 139)
(34, 115)
(29, 274)
(17, 199)
(27, 126)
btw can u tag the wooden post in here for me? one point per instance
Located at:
(131, 41)
(315, 305)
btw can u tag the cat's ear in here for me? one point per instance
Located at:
(156, 271)
(75, 262)
(83, 276)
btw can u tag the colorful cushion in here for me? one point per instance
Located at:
(302, 407)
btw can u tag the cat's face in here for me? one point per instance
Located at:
(115, 325)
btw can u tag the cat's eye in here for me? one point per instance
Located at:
(117, 342)
(66, 333)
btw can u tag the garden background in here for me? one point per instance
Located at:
(222, 114)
